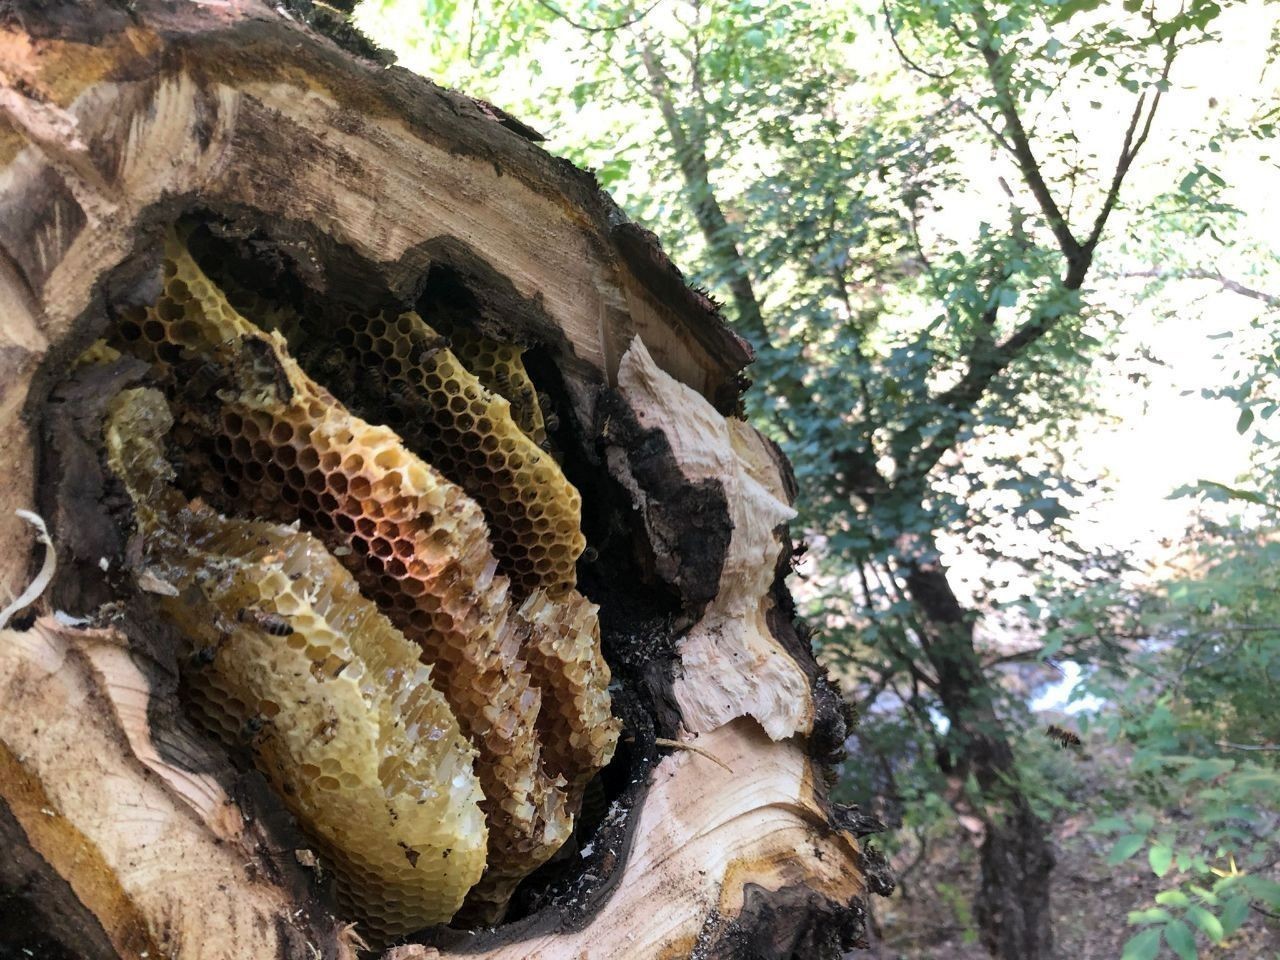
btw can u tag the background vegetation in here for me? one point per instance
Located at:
(974, 244)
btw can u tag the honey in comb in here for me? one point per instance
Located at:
(337, 710)
(278, 446)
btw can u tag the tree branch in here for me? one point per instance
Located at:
(1231, 286)
(1248, 746)
(893, 35)
(1129, 149)
(988, 361)
(589, 28)
(1020, 144)
(691, 157)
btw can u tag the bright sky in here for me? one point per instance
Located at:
(1169, 435)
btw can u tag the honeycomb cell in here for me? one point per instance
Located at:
(358, 742)
(261, 439)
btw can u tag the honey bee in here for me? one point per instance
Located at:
(426, 349)
(252, 727)
(204, 656)
(590, 555)
(272, 623)
(398, 391)
(551, 422)
(1065, 738)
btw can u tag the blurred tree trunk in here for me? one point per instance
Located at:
(1012, 904)
(130, 833)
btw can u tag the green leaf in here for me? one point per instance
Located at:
(1180, 940)
(1109, 825)
(1245, 421)
(1142, 946)
(1207, 922)
(1052, 644)
(1234, 914)
(1125, 848)
(1265, 890)
(1160, 856)
(1069, 9)
(1149, 915)
(1221, 492)
(1173, 898)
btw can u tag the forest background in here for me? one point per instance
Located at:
(1011, 273)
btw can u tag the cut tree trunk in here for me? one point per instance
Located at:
(129, 830)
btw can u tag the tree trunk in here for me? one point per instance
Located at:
(328, 194)
(1012, 905)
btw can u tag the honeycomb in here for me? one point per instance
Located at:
(563, 653)
(256, 437)
(332, 700)
(462, 402)
(443, 412)
(500, 368)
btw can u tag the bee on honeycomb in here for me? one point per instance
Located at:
(521, 671)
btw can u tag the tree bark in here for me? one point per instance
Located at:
(1012, 906)
(129, 830)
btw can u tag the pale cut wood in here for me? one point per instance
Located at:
(142, 842)
(730, 664)
(705, 835)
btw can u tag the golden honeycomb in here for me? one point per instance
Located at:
(563, 653)
(464, 403)
(446, 415)
(258, 438)
(338, 711)
(500, 367)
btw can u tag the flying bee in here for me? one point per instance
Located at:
(272, 623)
(1065, 738)
(590, 555)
